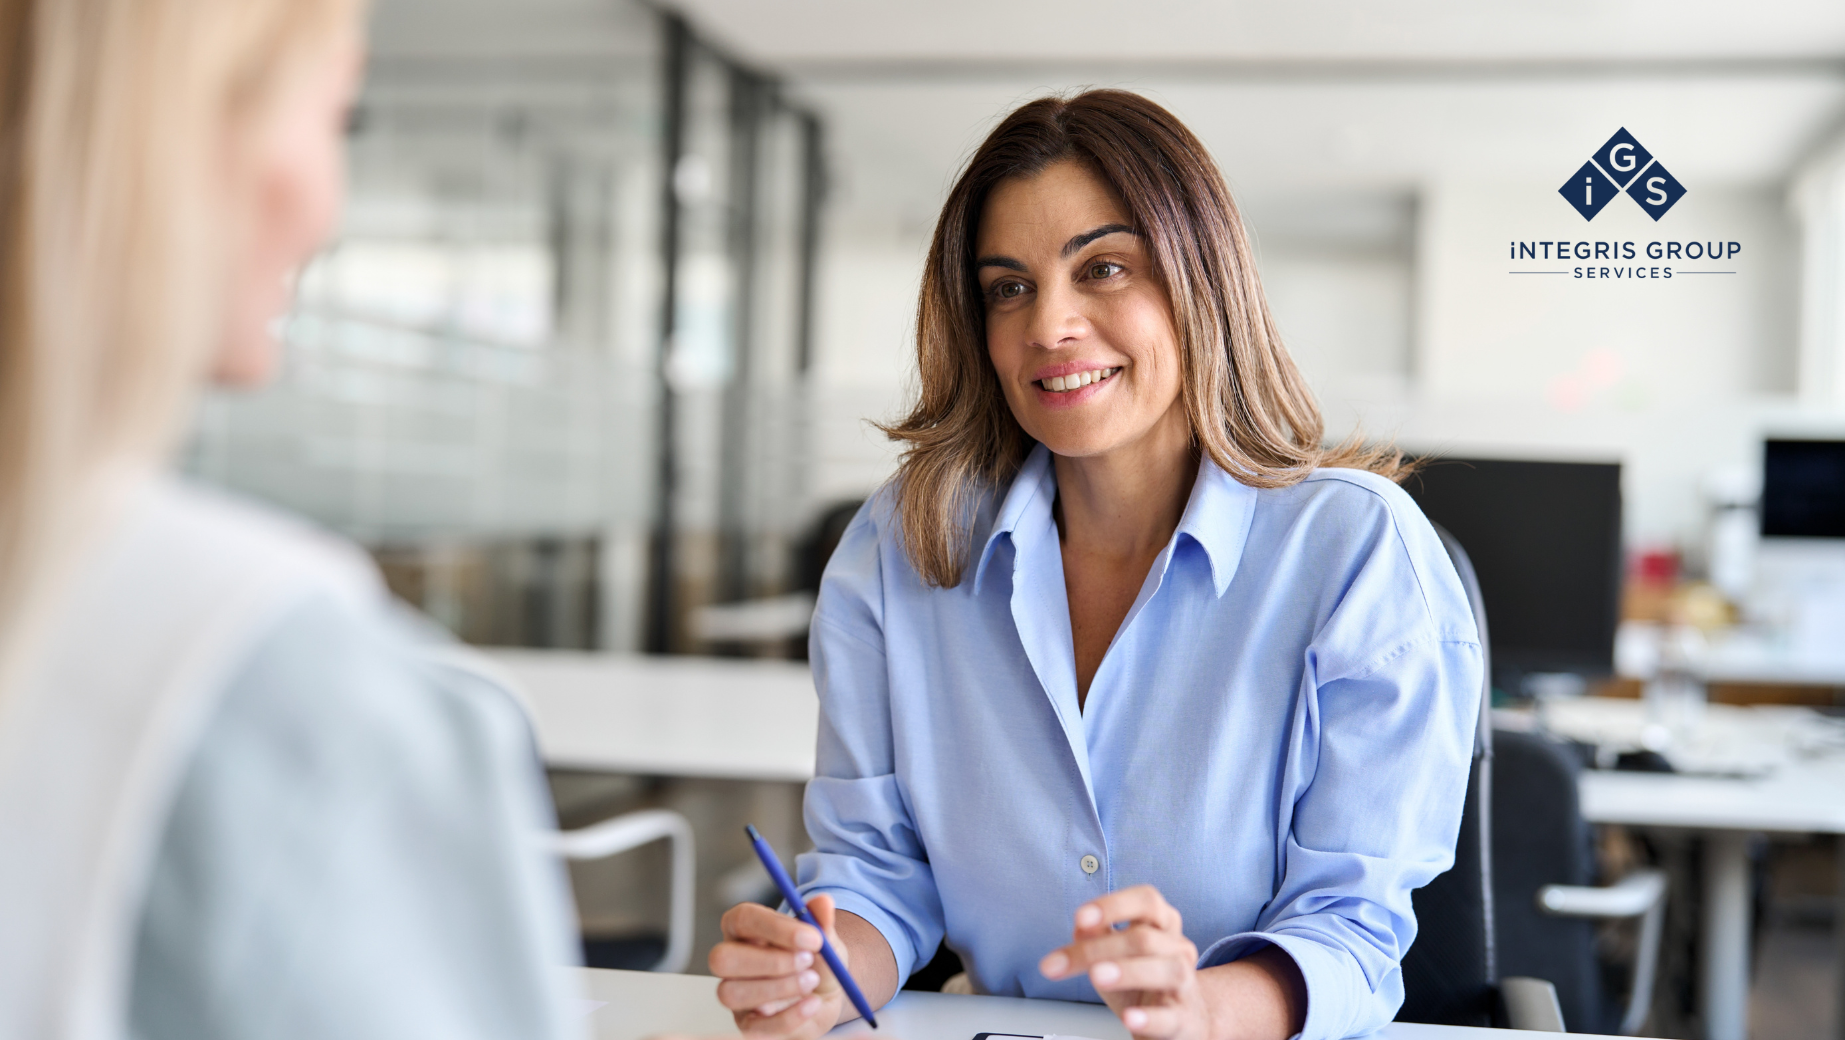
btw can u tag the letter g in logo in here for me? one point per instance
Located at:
(1622, 157)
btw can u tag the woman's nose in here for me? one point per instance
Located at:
(1057, 320)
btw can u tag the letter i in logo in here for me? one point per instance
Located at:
(1589, 190)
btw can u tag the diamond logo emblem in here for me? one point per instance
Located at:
(1656, 190)
(1589, 190)
(1622, 158)
(1622, 163)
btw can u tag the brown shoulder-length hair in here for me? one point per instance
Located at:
(1251, 412)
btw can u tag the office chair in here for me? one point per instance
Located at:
(630, 831)
(611, 836)
(1546, 906)
(1450, 972)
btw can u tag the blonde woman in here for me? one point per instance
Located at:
(234, 800)
(1129, 687)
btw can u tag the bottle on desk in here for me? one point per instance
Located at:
(1674, 694)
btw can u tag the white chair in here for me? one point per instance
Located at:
(631, 831)
(1640, 894)
(612, 836)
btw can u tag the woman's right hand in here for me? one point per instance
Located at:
(774, 980)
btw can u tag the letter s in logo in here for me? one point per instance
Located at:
(1621, 157)
(1655, 194)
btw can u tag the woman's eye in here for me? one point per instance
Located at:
(1008, 290)
(1103, 269)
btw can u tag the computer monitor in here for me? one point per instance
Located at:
(1803, 489)
(1545, 541)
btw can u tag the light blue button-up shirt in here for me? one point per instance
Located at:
(1278, 738)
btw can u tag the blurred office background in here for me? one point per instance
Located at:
(591, 362)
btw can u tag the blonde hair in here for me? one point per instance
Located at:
(117, 118)
(1250, 411)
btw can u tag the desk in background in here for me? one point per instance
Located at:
(669, 716)
(640, 1004)
(1764, 770)
(1751, 657)
(1747, 664)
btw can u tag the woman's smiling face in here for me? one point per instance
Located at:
(1079, 328)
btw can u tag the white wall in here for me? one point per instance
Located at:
(1345, 316)
(864, 353)
(1818, 198)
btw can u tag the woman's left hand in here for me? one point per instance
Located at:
(1146, 971)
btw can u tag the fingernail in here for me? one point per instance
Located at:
(807, 939)
(803, 959)
(1105, 972)
(1134, 1018)
(808, 980)
(811, 1007)
(1088, 917)
(1054, 966)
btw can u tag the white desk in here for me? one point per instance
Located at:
(1746, 657)
(639, 1004)
(1794, 782)
(669, 716)
(1740, 655)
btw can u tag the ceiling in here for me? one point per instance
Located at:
(793, 32)
(1311, 102)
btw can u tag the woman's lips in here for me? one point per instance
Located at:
(1063, 384)
(1078, 387)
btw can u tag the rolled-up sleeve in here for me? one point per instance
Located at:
(867, 852)
(1380, 760)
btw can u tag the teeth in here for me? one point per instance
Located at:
(1062, 384)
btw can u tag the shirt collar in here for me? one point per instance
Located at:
(1217, 515)
(1033, 490)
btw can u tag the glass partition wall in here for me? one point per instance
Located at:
(551, 372)
(741, 206)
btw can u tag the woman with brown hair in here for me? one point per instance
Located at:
(1123, 664)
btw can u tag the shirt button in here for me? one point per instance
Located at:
(1091, 864)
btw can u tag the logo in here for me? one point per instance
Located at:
(1622, 165)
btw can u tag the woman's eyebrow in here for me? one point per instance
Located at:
(999, 261)
(1091, 235)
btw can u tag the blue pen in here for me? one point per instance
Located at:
(783, 882)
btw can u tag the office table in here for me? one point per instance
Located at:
(1785, 777)
(637, 1004)
(668, 716)
(1745, 656)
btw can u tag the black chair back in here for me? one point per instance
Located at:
(1552, 845)
(1451, 971)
